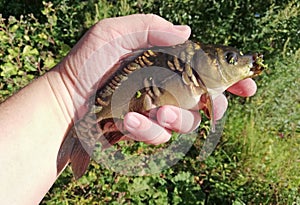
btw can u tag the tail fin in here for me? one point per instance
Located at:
(72, 151)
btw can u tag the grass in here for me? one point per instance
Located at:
(257, 159)
(267, 133)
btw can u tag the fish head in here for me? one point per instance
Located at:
(235, 66)
(220, 66)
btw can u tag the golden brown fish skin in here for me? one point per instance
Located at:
(191, 70)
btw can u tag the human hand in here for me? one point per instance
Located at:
(105, 44)
(94, 56)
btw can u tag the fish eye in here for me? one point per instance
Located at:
(231, 58)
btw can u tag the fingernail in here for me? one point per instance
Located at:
(133, 122)
(169, 116)
(182, 27)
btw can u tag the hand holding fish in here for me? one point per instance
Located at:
(140, 31)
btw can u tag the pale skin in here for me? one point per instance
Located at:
(35, 120)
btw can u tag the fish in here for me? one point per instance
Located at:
(188, 75)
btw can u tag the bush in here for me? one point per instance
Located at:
(28, 49)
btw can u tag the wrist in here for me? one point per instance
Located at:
(61, 91)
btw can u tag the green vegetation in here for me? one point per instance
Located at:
(258, 158)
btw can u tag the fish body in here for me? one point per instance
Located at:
(181, 75)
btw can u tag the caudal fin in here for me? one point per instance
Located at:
(72, 151)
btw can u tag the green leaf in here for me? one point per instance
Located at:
(3, 37)
(13, 28)
(14, 52)
(26, 37)
(8, 69)
(182, 176)
(43, 36)
(28, 50)
(49, 62)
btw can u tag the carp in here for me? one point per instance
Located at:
(182, 75)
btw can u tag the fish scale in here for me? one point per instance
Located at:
(176, 75)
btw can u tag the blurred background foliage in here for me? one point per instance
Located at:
(257, 160)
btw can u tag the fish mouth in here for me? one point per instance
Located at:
(257, 64)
